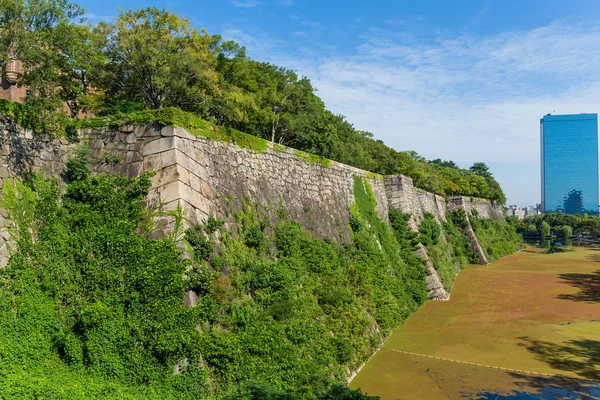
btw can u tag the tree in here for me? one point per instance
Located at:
(79, 60)
(566, 231)
(544, 229)
(287, 110)
(155, 57)
(481, 169)
(449, 164)
(28, 26)
(56, 53)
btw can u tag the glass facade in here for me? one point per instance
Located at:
(569, 151)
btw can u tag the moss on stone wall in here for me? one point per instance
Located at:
(313, 158)
(279, 148)
(176, 117)
(59, 125)
(374, 176)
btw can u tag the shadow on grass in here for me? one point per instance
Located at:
(581, 356)
(588, 285)
(553, 387)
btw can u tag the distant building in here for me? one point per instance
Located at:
(8, 83)
(569, 155)
(516, 211)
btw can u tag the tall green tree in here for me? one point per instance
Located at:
(544, 229)
(481, 169)
(57, 52)
(157, 58)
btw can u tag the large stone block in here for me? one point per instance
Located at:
(158, 146)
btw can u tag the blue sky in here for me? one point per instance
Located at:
(461, 80)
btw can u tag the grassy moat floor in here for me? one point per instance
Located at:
(528, 312)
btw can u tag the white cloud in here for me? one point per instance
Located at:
(463, 97)
(91, 17)
(244, 3)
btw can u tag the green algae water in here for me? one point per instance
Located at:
(524, 327)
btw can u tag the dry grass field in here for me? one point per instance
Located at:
(528, 312)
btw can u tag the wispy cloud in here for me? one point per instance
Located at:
(259, 45)
(91, 17)
(463, 97)
(244, 3)
(481, 14)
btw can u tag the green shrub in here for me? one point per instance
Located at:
(429, 230)
(497, 238)
(91, 308)
(199, 280)
(78, 166)
(544, 229)
(254, 237)
(202, 246)
(566, 231)
(212, 225)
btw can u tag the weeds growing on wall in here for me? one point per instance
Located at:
(497, 238)
(408, 241)
(454, 231)
(90, 308)
(376, 239)
(441, 252)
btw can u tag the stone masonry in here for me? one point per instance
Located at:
(21, 153)
(203, 175)
(206, 177)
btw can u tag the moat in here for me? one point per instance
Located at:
(524, 327)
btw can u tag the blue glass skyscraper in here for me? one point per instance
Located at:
(569, 147)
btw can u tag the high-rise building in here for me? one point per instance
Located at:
(569, 152)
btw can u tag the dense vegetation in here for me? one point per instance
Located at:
(497, 238)
(450, 250)
(558, 224)
(447, 246)
(90, 307)
(151, 59)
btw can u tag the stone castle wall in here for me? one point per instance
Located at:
(22, 152)
(405, 197)
(484, 208)
(204, 176)
(207, 177)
